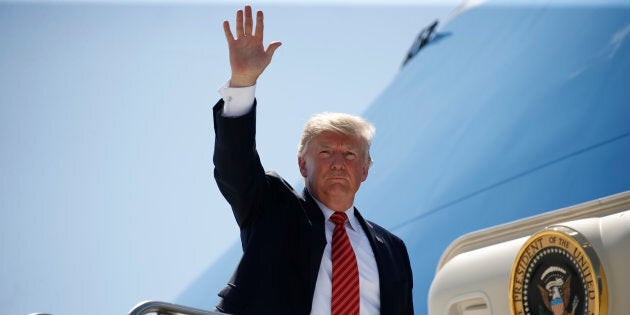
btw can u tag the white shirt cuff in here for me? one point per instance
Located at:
(238, 101)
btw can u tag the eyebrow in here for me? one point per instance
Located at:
(329, 145)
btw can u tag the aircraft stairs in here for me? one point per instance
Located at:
(163, 308)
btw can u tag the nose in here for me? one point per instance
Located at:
(337, 161)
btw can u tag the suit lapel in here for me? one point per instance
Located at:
(376, 241)
(383, 262)
(317, 241)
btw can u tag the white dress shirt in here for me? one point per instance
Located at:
(238, 102)
(369, 289)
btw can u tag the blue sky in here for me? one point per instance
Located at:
(107, 196)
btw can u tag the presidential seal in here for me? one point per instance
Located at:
(557, 272)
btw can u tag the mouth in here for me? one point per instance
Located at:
(337, 177)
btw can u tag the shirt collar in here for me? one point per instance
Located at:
(352, 219)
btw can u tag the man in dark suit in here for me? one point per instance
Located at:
(309, 253)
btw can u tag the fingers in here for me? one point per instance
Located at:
(249, 22)
(227, 31)
(245, 24)
(259, 25)
(239, 24)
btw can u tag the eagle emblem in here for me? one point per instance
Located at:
(557, 272)
(556, 292)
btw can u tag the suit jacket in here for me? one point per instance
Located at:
(282, 234)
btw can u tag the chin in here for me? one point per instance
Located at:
(337, 191)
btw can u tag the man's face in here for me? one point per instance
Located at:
(334, 166)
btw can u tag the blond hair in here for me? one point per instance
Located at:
(346, 124)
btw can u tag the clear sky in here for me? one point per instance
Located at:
(106, 194)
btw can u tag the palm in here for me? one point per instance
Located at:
(247, 54)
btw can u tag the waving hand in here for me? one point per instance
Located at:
(248, 56)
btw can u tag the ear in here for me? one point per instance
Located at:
(302, 166)
(364, 171)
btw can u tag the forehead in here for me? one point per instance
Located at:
(330, 139)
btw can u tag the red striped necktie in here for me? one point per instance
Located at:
(345, 274)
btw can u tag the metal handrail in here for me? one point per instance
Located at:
(163, 308)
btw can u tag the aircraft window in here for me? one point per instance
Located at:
(474, 304)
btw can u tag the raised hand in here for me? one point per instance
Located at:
(248, 56)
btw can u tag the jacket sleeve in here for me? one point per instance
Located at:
(237, 169)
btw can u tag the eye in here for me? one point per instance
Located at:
(350, 155)
(324, 153)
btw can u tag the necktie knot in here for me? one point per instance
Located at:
(338, 217)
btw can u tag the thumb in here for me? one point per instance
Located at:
(272, 48)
